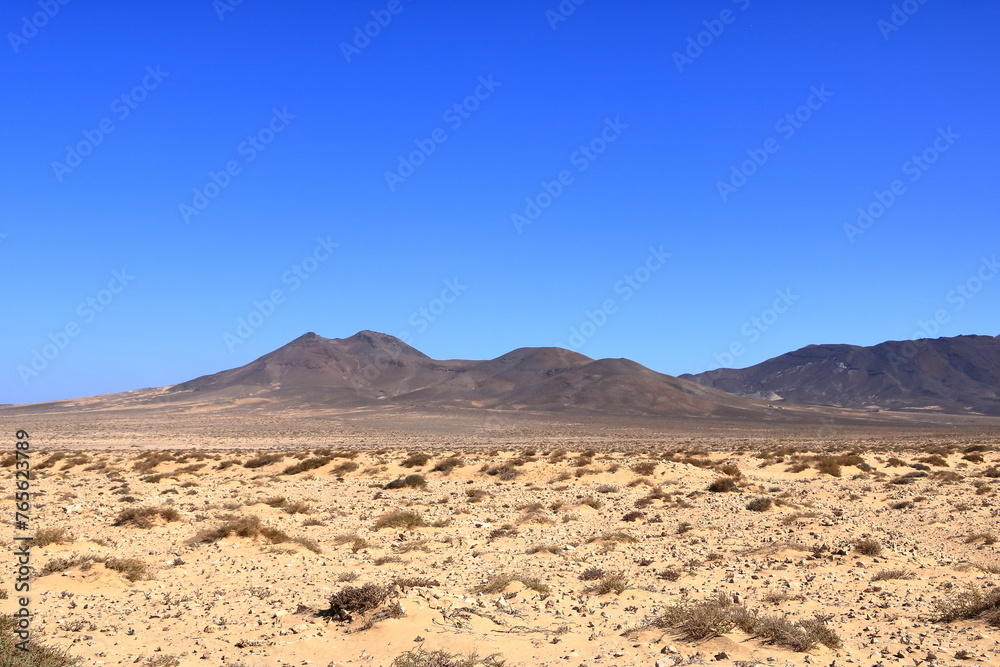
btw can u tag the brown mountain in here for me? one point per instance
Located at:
(371, 369)
(959, 375)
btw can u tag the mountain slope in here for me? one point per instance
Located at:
(370, 368)
(956, 375)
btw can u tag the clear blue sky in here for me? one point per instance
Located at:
(310, 127)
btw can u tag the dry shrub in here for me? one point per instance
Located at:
(612, 582)
(723, 485)
(307, 464)
(46, 536)
(132, 568)
(248, 527)
(345, 467)
(415, 460)
(143, 517)
(352, 600)
(719, 615)
(448, 464)
(263, 460)
(644, 468)
(897, 573)
(400, 519)
(420, 657)
(554, 549)
(868, 547)
(760, 504)
(408, 482)
(968, 603)
(497, 583)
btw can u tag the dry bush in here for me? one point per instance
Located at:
(46, 536)
(730, 469)
(352, 600)
(612, 582)
(497, 583)
(644, 468)
(345, 467)
(420, 657)
(263, 460)
(415, 460)
(505, 530)
(540, 518)
(619, 537)
(719, 615)
(143, 517)
(248, 527)
(669, 574)
(400, 519)
(969, 603)
(307, 464)
(447, 465)
(868, 547)
(132, 568)
(298, 507)
(986, 538)
(475, 495)
(503, 472)
(592, 502)
(592, 574)
(416, 582)
(897, 573)
(408, 482)
(760, 504)
(633, 516)
(723, 485)
(554, 549)
(276, 501)
(37, 655)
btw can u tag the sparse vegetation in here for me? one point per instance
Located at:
(400, 519)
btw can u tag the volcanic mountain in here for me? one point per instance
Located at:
(958, 375)
(370, 369)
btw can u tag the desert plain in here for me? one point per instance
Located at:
(497, 538)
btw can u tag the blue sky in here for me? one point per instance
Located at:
(677, 183)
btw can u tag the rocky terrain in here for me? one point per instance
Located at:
(660, 551)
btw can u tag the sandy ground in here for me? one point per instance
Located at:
(516, 547)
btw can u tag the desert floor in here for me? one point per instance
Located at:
(654, 552)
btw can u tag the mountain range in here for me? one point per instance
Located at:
(954, 375)
(370, 370)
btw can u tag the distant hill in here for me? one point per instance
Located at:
(371, 368)
(958, 375)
